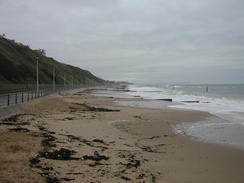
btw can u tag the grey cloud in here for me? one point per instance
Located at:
(135, 39)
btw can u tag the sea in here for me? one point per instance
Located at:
(224, 101)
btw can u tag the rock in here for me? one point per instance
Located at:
(35, 160)
(141, 176)
(50, 179)
(137, 116)
(154, 137)
(62, 154)
(125, 178)
(95, 157)
(133, 163)
(98, 141)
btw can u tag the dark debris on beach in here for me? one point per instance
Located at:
(86, 107)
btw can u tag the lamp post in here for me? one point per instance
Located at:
(54, 78)
(72, 81)
(64, 81)
(37, 75)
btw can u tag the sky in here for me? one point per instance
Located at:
(140, 41)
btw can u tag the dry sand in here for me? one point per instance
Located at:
(83, 141)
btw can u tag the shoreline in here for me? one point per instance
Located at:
(110, 143)
(184, 128)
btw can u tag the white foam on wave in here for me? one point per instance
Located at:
(227, 129)
(144, 89)
(208, 104)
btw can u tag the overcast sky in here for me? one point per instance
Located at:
(152, 41)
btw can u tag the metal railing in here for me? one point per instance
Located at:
(19, 96)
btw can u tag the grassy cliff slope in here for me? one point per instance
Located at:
(18, 66)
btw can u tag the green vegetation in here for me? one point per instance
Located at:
(18, 66)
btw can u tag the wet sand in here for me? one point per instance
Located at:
(77, 137)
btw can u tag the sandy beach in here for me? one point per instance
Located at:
(77, 137)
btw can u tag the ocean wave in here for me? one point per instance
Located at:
(226, 127)
(203, 103)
